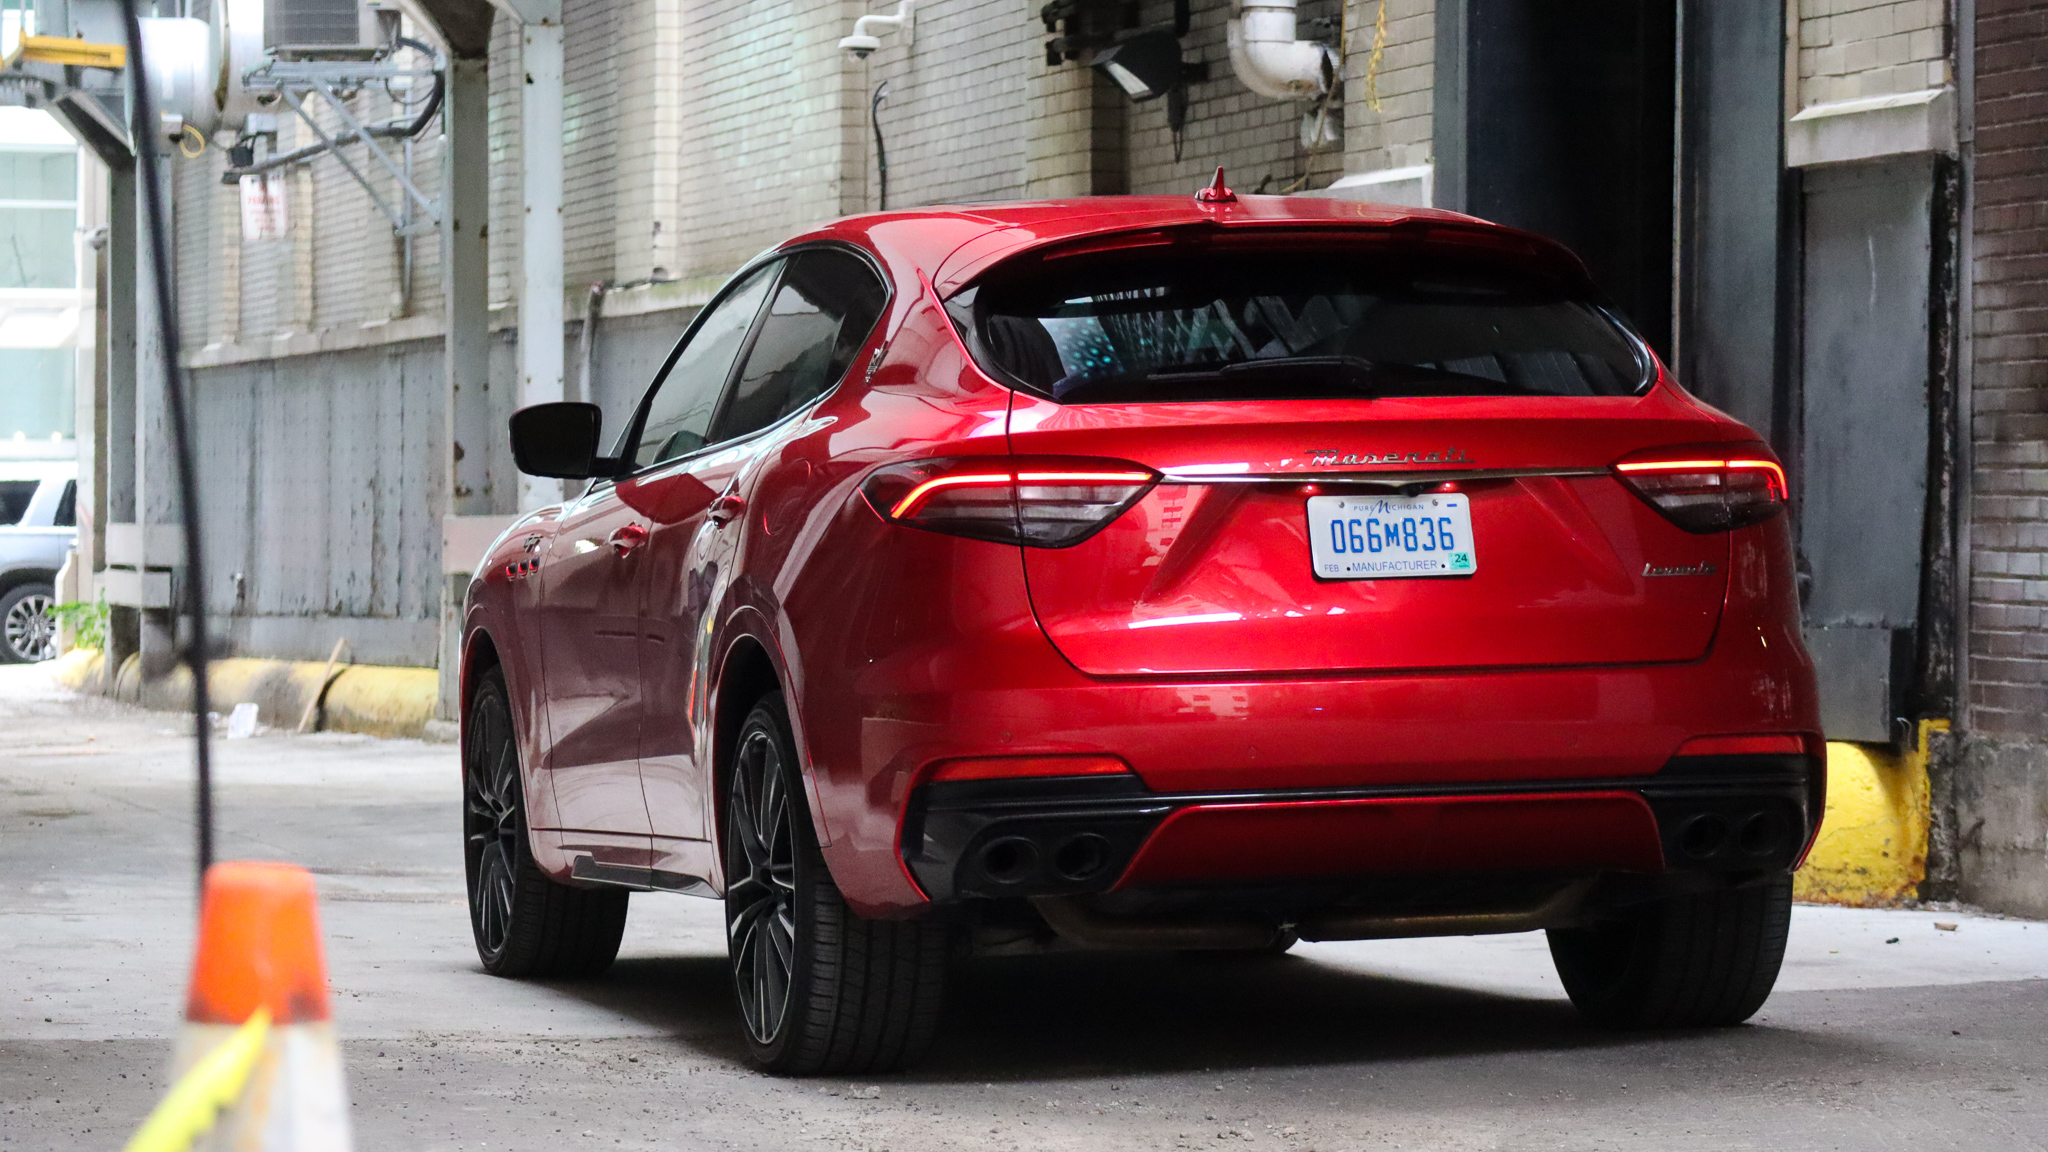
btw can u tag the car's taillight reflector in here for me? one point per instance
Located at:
(1043, 501)
(1011, 767)
(1776, 744)
(1708, 488)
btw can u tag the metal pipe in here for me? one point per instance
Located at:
(1267, 57)
(1560, 910)
(1077, 922)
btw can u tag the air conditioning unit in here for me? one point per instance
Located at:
(328, 29)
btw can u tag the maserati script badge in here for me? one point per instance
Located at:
(1328, 457)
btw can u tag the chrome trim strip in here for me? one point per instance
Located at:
(1374, 479)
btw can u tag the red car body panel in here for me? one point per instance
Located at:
(897, 648)
(1254, 842)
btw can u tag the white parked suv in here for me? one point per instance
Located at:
(38, 525)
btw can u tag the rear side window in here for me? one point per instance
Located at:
(821, 314)
(67, 506)
(1187, 323)
(14, 499)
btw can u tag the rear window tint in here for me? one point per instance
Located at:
(1191, 324)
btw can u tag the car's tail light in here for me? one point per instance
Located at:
(1015, 767)
(1708, 487)
(1043, 501)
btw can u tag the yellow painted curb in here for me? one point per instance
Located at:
(1872, 849)
(374, 699)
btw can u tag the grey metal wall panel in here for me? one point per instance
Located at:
(316, 488)
(321, 492)
(1731, 205)
(1862, 505)
(1864, 385)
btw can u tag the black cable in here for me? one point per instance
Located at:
(881, 153)
(146, 130)
(419, 124)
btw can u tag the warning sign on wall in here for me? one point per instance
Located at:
(263, 207)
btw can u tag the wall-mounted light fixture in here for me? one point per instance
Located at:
(1146, 66)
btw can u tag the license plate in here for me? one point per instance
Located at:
(1383, 537)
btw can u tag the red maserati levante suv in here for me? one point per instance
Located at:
(1195, 573)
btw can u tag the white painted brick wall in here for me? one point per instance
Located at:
(1854, 48)
(1398, 134)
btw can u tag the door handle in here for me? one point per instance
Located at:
(726, 507)
(627, 537)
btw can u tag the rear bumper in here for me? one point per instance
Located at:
(1728, 816)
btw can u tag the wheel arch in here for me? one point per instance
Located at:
(15, 577)
(748, 672)
(479, 655)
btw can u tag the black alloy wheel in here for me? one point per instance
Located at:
(525, 923)
(820, 989)
(28, 624)
(490, 823)
(760, 897)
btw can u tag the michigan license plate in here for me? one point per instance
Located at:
(1382, 537)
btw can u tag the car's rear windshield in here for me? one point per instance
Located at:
(1186, 322)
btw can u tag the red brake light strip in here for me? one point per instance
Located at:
(1777, 474)
(917, 495)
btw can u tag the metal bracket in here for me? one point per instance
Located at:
(295, 81)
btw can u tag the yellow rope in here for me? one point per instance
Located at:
(1372, 63)
(195, 1101)
(195, 134)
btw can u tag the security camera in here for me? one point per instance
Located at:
(863, 42)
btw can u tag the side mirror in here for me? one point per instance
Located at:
(560, 440)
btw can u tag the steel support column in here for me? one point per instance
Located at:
(540, 244)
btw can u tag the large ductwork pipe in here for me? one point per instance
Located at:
(1269, 59)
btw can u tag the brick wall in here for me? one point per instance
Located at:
(953, 122)
(1854, 48)
(2009, 531)
(1256, 139)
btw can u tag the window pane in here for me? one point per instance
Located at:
(822, 314)
(38, 175)
(36, 398)
(680, 413)
(36, 249)
(14, 499)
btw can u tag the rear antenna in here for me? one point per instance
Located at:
(1216, 192)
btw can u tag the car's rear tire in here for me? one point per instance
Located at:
(525, 923)
(819, 988)
(1701, 960)
(28, 626)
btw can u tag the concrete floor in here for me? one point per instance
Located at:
(1937, 1041)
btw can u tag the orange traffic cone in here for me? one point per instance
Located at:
(259, 955)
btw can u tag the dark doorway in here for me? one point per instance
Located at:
(1557, 118)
